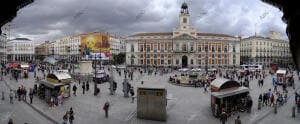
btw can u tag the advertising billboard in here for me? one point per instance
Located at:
(95, 45)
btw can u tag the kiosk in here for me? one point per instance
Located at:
(56, 84)
(227, 95)
(152, 102)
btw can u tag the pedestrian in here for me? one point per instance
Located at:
(31, 95)
(65, 118)
(223, 117)
(71, 115)
(106, 108)
(11, 97)
(51, 102)
(132, 94)
(83, 88)
(87, 86)
(10, 121)
(205, 87)
(25, 94)
(19, 93)
(74, 89)
(237, 120)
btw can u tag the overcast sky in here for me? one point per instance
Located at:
(53, 19)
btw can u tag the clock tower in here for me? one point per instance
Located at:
(184, 22)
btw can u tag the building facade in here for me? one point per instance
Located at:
(116, 45)
(20, 49)
(183, 47)
(266, 50)
(3, 41)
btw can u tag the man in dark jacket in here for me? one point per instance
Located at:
(74, 89)
(223, 117)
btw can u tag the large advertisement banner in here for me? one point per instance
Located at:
(95, 44)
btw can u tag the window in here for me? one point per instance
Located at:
(155, 62)
(142, 62)
(162, 56)
(199, 48)
(169, 47)
(177, 47)
(225, 49)
(212, 61)
(192, 61)
(219, 61)
(199, 61)
(212, 48)
(177, 61)
(199, 56)
(225, 61)
(162, 61)
(148, 61)
(148, 47)
(132, 48)
(213, 55)
(219, 48)
(233, 56)
(192, 46)
(162, 48)
(233, 61)
(155, 56)
(155, 48)
(233, 49)
(184, 47)
(148, 55)
(142, 55)
(169, 61)
(219, 56)
(206, 48)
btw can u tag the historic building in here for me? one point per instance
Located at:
(266, 50)
(184, 47)
(3, 56)
(20, 49)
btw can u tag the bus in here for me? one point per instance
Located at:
(252, 67)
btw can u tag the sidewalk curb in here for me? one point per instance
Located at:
(35, 108)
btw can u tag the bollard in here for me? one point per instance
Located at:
(259, 105)
(294, 112)
(3, 95)
(275, 108)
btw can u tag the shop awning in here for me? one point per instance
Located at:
(50, 84)
(230, 92)
(223, 83)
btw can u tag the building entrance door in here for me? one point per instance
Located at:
(184, 61)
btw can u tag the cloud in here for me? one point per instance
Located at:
(53, 19)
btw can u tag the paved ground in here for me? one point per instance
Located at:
(20, 112)
(186, 105)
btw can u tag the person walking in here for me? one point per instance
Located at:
(10, 121)
(19, 93)
(106, 108)
(74, 89)
(11, 97)
(31, 95)
(71, 115)
(87, 86)
(223, 117)
(65, 118)
(83, 88)
(237, 120)
(132, 94)
(25, 94)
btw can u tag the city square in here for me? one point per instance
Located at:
(175, 76)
